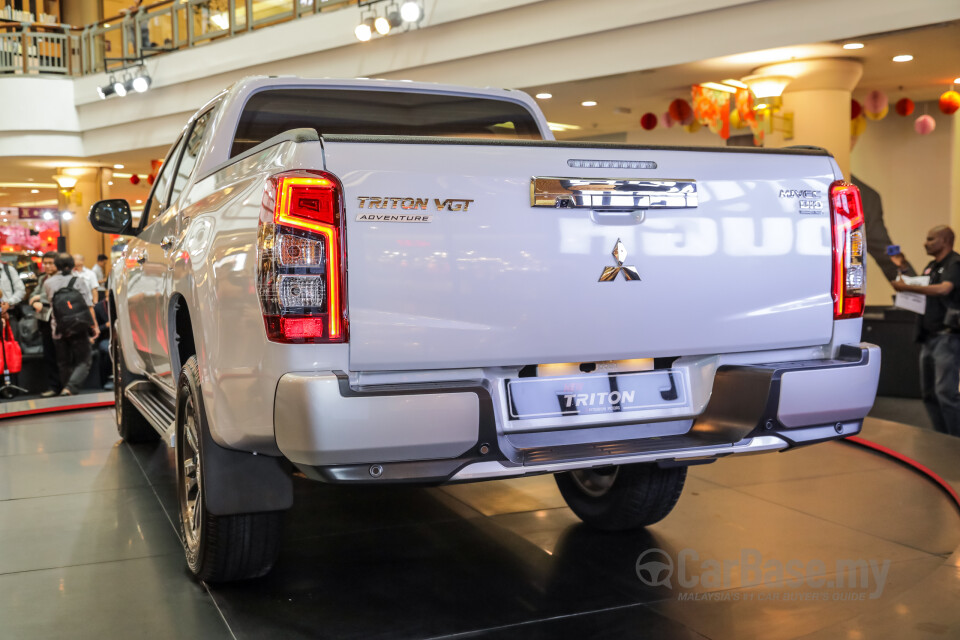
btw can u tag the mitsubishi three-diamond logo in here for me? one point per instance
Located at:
(610, 273)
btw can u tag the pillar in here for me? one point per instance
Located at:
(81, 237)
(819, 98)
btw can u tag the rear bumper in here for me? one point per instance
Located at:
(448, 433)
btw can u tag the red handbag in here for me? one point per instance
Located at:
(12, 356)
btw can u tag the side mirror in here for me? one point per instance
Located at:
(112, 216)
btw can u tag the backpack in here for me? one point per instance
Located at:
(71, 312)
(26, 331)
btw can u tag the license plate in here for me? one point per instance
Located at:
(661, 393)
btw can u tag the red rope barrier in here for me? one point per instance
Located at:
(896, 455)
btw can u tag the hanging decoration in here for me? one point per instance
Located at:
(925, 125)
(154, 170)
(950, 102)
(855, 109)
(904, 106)
(712, 108)
(648, 121)
(693, 127)
(667, 120)
(857, 127)
(745, 109)
(134, 179)
(876, 106)
(680, 111)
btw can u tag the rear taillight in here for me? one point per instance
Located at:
(300, 273)
(849, 250)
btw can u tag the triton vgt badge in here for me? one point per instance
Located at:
(409, 206)
(610, 273)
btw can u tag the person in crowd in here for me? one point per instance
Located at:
(11, 288)
(41, 304)
(102, 343)
(87, 274)
(938, 331)
(72, 341)
(100, 270)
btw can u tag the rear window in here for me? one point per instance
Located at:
(387, 113)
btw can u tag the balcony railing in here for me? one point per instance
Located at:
(38, 49)
(120, 42)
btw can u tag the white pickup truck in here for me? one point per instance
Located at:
(382, 282)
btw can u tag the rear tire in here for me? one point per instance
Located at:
(217, 548)
(623, 497)
(131, 425)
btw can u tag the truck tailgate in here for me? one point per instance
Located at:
(449, 264)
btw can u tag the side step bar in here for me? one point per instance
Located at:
(157, 407)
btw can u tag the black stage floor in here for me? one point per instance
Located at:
(88, 549)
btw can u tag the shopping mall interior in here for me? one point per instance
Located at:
(846, 528)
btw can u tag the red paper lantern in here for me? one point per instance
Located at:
(134, 179)
(150, 179)
(648, 121)
(681, 111)
(667, 120)
(950, 102)
(855, 109)
(904, 106)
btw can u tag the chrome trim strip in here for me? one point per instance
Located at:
(162, 384)
(493, 469)
(612, 193)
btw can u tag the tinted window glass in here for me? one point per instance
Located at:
(161, 187)
(190, 152)
(389, 113)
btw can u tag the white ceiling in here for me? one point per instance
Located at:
(936, 63)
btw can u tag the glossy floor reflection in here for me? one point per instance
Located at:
(88, 549)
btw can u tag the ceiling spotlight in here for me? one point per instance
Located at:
(382, 25)
(119, 88)
(853, 45)
(394, 19)
(48, 215)
(589, 103)
(410, 11)
(904, 58)
(110, 183)
(140, 84)
(544, 96)
(364, 30)
(105, 91)
(66, 215)
(34, 190)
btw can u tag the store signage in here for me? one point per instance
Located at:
(34, 213)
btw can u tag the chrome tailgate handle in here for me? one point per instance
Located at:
(612, 193)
